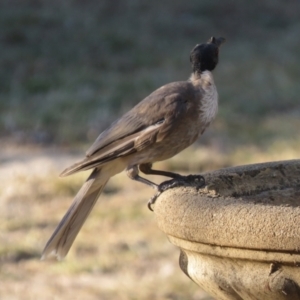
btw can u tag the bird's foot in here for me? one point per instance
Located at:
(191, 180)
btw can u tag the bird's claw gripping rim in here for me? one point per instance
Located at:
(190, 180)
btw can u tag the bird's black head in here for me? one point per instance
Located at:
(206, 56)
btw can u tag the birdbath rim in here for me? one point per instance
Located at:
(251, 207)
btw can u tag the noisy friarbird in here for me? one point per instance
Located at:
(160, 126)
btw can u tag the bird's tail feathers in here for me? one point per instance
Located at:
(64, 235)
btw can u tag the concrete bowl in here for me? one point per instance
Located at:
(239, 236)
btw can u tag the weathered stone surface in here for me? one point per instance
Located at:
(239, 235)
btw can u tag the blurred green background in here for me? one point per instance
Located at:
(70, 68)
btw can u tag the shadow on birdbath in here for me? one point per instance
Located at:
(239, 236)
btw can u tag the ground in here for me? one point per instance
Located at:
(120, 252)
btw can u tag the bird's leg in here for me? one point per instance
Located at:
(147, 169)
(133, 173)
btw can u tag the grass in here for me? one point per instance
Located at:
(111, 254)
(120, 253)
(68, 70)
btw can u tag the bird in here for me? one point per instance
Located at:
(160, 126)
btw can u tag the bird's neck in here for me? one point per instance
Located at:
(209, 97)
(205, 75)
(197, 70)
(196, 75)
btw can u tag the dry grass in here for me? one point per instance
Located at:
(120, 253)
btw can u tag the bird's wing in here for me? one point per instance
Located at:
(124, 146)
(149, 111)
(148, 122)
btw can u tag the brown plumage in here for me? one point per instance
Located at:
(162, 125)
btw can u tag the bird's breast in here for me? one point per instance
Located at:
(208, 104)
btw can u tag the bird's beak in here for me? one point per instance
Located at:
(217, 41)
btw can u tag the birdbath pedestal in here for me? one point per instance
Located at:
(239, 236)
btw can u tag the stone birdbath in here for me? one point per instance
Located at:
(239, 236)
